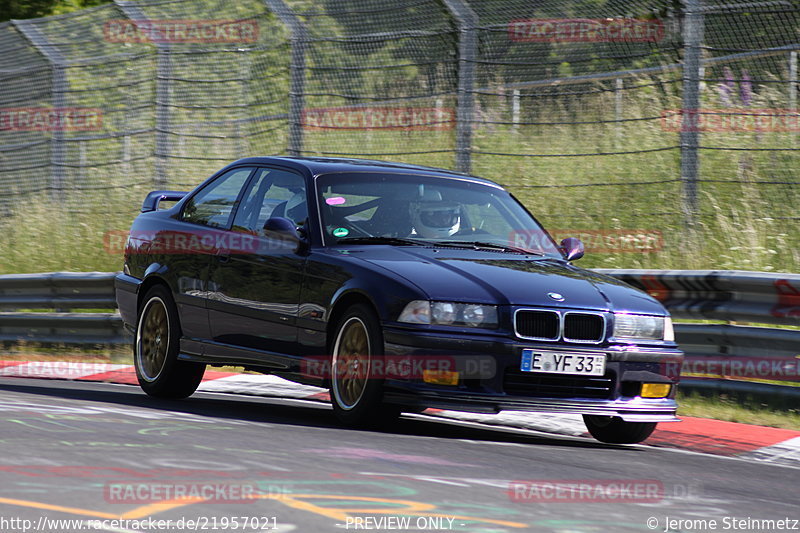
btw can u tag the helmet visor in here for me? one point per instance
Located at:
(439, 216)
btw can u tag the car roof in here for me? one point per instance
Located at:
(328, 165)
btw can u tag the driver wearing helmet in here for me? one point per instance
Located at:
(434, 218)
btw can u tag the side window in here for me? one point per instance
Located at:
(273, 193)
(214, 204)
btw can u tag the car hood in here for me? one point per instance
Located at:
(497, 277)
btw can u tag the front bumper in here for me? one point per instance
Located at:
(504, 387)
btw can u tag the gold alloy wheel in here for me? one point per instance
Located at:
(350, 366)
(152, 340)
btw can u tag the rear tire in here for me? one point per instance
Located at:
(356, 387)
(155, 350)
(614, 430)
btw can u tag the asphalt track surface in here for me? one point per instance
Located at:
(111, 455)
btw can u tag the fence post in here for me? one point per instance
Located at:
(163, 95)
(297, 72)
(619, 85)
(690, 136)
(467, 54)
(793, 80)
(58, 62)
(515, 109)
(242, 144)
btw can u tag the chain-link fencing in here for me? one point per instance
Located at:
(677, 118)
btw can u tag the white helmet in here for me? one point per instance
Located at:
(433, 218)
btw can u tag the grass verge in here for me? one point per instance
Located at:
(741, 410)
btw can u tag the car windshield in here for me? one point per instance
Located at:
(409, 209)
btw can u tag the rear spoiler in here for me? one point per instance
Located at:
(152, 199)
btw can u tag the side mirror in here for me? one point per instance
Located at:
(572, 248)
(283, 231)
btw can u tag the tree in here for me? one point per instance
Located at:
(25, 9)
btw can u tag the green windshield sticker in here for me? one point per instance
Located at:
(341, 232)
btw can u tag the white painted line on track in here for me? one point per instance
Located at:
(269, 387)
(786, 453)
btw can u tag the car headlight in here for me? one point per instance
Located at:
(416, 312)
(669, 331)
(450, 314)
(642, 327)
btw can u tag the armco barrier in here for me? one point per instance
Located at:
(727, 295)
(730, 351)
(730, 296)
(34, 308)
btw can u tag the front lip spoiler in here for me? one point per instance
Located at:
(630, 410)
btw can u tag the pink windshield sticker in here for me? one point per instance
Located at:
(336, 200)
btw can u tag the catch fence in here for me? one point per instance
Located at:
(642, 114)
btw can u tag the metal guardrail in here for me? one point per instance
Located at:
(58, 290)
(730, 351)
(727, 295)
(711, 349)
(36, 308)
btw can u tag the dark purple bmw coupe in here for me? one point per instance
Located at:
(398, 287)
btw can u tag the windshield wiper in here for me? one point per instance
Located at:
(378, 239)
(491, 245)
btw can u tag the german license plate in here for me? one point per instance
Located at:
(580, 364)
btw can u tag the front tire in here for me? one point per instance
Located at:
(356, 379)
(155, 350)
(614, 430)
